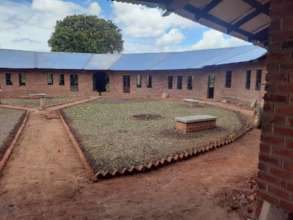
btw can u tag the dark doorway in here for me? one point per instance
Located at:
(100, 81)
(74, 82)
(126, 84)
(211, 86)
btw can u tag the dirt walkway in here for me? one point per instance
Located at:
(44, 179)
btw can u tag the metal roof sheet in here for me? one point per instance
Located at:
(129, 62)
(189, 59)
(102, 61)
(136, 61)
(17, 59)
(61, 60)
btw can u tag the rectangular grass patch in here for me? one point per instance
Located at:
(117, 134)
(9, 122)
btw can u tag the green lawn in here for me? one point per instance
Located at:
(8, 118)
(115, 139)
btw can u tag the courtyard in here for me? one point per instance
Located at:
(44, 154)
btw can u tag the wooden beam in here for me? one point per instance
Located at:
(200, 13)
(212, 5)
(251, 15)
(258, 6)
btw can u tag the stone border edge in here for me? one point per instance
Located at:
(11, 142)
(77, 145)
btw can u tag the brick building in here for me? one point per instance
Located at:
(234, 74)
(268, 23)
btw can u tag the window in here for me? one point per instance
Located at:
(228, 79)
(179, 82)
(189, 82)
(138, 81)
(258, 80)
(73, 82)
(8, 79)
(248, 79)
(61, 80)
(126, 84)
(50, 79)
(170, 82)
(22, 79)
(149, 82)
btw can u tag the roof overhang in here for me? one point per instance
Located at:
(246, 19)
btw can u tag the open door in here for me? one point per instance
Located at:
(100, 81)
(126, 84)
(211, 86)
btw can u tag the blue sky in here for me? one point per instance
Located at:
(28, 24)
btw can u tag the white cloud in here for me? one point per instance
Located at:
(94, 8)
(216, 39)
(174, 36)
(140, 21)
(29, 26)
(54, 6)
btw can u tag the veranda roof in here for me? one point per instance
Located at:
(245, 19)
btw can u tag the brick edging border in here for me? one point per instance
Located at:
(76, 144)
(89, 162)
(11, 142)
(206, 147)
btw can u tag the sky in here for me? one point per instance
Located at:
(28, 24)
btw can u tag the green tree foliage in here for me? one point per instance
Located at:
(86, 34)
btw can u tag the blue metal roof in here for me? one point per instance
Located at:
(17, 59)
(197, 59)
(102, 61)
(189, 59)
(55, 60)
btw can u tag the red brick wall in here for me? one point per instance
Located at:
(36, 82)
(275, 177)
(237, 92)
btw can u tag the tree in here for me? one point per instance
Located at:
(86, 34)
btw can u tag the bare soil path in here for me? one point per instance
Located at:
(45, 179)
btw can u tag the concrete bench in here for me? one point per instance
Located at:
(192, 102)
(194, 123)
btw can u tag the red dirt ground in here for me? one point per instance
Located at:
(45, 179)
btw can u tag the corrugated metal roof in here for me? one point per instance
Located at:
(55, 60)
(17, 59)
(189, 59)
(129, 62)
(102, 61)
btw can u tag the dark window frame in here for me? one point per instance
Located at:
(258, 80)
(50, 79)
(8, 81)
(179, 82)
(228, 79)
(189, 82)
(170, 82)
(149, 81)
(126, 83)
(74, 82)
(61, 80)
(139, 81)
(248, 80)
(22, 79)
